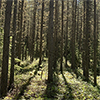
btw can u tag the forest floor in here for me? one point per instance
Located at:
(31, 84)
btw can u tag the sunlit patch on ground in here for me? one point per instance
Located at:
(30, 84)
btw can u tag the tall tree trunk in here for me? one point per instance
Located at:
(23, 41)
(66, 41)
(11, 82)
(50, 43)
(33, 30)
(55, 34)
(37, 37)
(80, 34)
(4, 73)
(61, 68)
(0, 3)
(19, 34)
(41, 32)
(73, 34)
(95, 45)
(87, 40)
(26, 40)
(20, 31)
(84, 31)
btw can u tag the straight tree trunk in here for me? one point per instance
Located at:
(33, 30)
(4, 73)
(56, 34)
(50, 43)
(95, 45)
(80, 34)
(84, 31)
(11, 82)
(66, 41)
(41, 32)
(23, 41)
(37, 37)
(26, 40)
(87, 40)
(20, 30)
(61, 68)
(19, 34)
(73, 34)
(0, 3)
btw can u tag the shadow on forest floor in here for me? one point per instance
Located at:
(68, 88)
(52, 89)
(24, 86)
(79, 74)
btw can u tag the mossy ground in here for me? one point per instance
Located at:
(31, 84)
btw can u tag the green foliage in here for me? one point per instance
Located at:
(29, 84)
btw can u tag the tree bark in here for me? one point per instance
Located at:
(73, 34)
(61, 67)
(0, 3)
(50, 43)
(4, 73)
(66, 40)
(87, 40)
(11, 82)
(56, 34)
(95, 45)
(41, 32)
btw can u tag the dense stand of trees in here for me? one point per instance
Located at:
(61, 30)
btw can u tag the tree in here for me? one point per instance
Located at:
(4, 73)
(95, 45)
(66, 39)
(56, 34)
(50, 43)
(41, 32)
(21, 4)
(37, 35)
(32, 32)
(61, 69)
(11, 82)
(84, 31)
(87, 39)
(0, 3)
(74, 3)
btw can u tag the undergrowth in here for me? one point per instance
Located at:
(31, 84)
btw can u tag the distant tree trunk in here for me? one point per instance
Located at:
(41, 32)
(50, 43)
(19, 34)
(37, 37)
(55, 34)
(20, 31)
(0, 3)
(87, 40)
(23, 41)
(80, 34)
(33, 31)
(61, 68)
(84, 31)
(26, 41)
(11, 82)
(77, 35)
(66, 40)
(4, 73)
(73, 34)
(95, 45)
